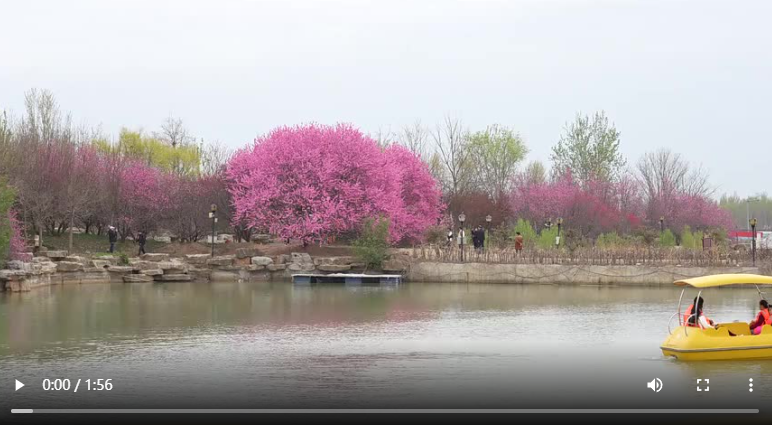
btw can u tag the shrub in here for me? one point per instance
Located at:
(609, 240)
(373, 242)
(667, 238)
(437, 235)
(547, 237)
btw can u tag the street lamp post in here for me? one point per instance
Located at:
(488, 220)
(462, 234)
(662, 224)
(213, 216)
(557, 238)
(752, 222)
(748, 209)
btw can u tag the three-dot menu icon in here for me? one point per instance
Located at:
(750, 385)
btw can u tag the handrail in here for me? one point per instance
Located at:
(669, 322)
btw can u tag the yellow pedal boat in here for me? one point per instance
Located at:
(731, 341)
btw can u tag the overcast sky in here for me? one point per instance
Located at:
(692, 76)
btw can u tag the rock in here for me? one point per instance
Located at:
(333, 268)
(173, 278)
(221, 276)
(18, 265)
(231, 268)
(283, 259)
(112, 259)
(318, 261)
(301, 258)
(200, 273)
(199, 259)
(77, 259)
(101, 264)
(8, 275)
(262, 261)
(262, 238)
(68, 266)
(172, 267)
(242, 262)
(56, 255)
(223, 260)
(247, 252)
(342, 261)
(45, 268)
(276, 267)
(358, 265)
(120, 269)
(255, 268)
(155, 257)
(394, 266)
(152, 272)
(137, 278)
(294, 267)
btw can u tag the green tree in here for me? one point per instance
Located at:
(495, 154)
(371, 247)
(687, 238)
(7, 197)
(526, 231)
(589, 149)
(181, 159)
(547, 237)
(667, 238)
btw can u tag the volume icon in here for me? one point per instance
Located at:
(655, 385)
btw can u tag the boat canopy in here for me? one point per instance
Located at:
(725, 279)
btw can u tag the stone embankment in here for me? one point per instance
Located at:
(58, 268)
(565, 274)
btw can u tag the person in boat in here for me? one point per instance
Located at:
(695, 317)
(763, 318)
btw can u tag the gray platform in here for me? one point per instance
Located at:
(346, 278)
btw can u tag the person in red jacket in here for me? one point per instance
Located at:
(763, 318)
(695, 317)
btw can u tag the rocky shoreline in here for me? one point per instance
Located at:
(58, 268)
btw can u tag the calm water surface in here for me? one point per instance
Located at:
(418, 345)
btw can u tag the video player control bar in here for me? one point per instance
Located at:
(340, 411)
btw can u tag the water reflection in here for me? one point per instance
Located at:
(393, 344)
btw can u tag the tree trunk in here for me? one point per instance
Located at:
(72, 225)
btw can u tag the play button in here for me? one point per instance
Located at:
(18, 385)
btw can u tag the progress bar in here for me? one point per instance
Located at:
(392, 411)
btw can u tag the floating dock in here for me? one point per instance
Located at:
(347, 278)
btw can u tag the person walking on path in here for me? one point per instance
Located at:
(450, 236)
(518, 243)
(112, 236)
(141, 240)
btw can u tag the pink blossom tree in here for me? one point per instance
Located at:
(420, 197)
(143, 199)
(312, 181)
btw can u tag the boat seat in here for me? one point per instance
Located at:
(766, 330)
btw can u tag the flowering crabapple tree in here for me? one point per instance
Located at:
(143, 197)
(309, 182)
(420, 196)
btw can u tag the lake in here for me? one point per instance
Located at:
(275, 345)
